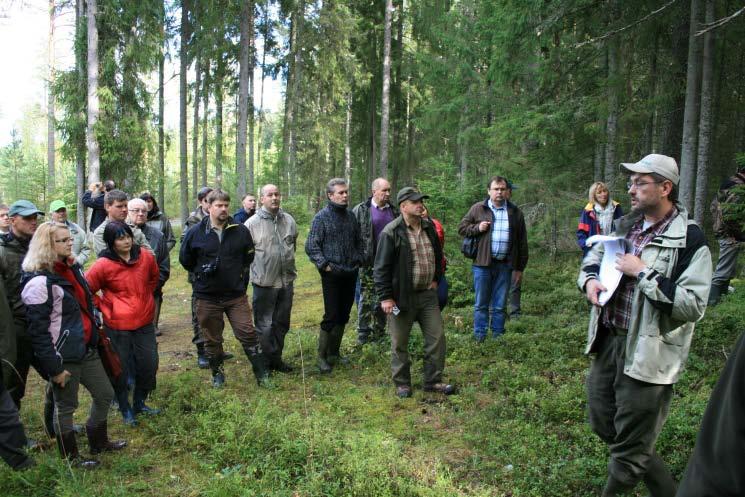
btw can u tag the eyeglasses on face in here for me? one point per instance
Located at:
(639, 184)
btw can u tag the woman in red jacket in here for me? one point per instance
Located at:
(127, 277)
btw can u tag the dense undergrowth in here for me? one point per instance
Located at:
(517, 427)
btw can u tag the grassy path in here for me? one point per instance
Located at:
(517, 428)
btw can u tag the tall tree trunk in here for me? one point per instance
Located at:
(243, 76)
(195, 125)
(218, 90)
(94, 160)
(265, 34)
(598, 160)
(649, 132)
(205, 120)
(611, 126)
(82, 84)
(691, 115)
(251, 110)
(291, 95)
(50, 103)
(707, 118)
(347, 138)
(386, 94)
(183, 148)
(161, 115)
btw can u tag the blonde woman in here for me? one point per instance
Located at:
(64, 335)
(598, 216)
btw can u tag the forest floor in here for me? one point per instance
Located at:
(516, 428)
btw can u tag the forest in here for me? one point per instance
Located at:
(436, 93)
(439, 94)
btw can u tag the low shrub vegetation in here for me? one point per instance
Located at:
(517, 427)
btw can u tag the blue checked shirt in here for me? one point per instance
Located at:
(500, 231)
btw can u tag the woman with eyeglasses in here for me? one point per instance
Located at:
(127, 276)
(63, 328)
(598, 216)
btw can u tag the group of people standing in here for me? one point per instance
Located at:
(392, 254)
(58, 319)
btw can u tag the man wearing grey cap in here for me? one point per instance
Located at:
(407, 269)
(13, 248)
(639, 340)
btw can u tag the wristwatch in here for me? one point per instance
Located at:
(642, 274)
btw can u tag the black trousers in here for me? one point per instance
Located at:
(12, 436)
(139, 348)
(25, 358)
(338, 297)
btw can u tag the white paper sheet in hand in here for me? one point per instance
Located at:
(609, 275)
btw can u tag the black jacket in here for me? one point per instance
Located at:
(221, 269)
(98, 213)
(334, 240)
(394, 262)
(55, 321)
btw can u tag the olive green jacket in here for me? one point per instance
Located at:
(667, 301)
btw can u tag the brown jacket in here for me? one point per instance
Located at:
(480, 211)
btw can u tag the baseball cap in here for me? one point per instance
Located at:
(655, 163)
(57, 205)
(23, 208)
(409, 193)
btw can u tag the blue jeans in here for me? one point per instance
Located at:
(491, 285)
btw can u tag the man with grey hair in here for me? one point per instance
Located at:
(372, 216)
(137, 216)
(334, 245)
(273, 273)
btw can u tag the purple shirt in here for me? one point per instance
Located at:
(379, 217)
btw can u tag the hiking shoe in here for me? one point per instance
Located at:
(443, 388)
(403, 391)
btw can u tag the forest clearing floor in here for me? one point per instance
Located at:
(517, 427)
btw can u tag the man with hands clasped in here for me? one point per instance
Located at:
(639, 339)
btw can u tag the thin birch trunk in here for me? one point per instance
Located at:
(183, 148)
(94, 161)
(386, 94)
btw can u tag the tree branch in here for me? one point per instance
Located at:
(627, 27)
(719, 22)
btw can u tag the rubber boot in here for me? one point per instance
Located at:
(335, 337)
(156, 318)
(658, 479)
(128, 414)
(614, 488)
(259, 365)
(202, 361)
(715, 293)
(139, 406)
(98, 439)
(323, 347)
(68, 449)
(49, 412)
(218, 373)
